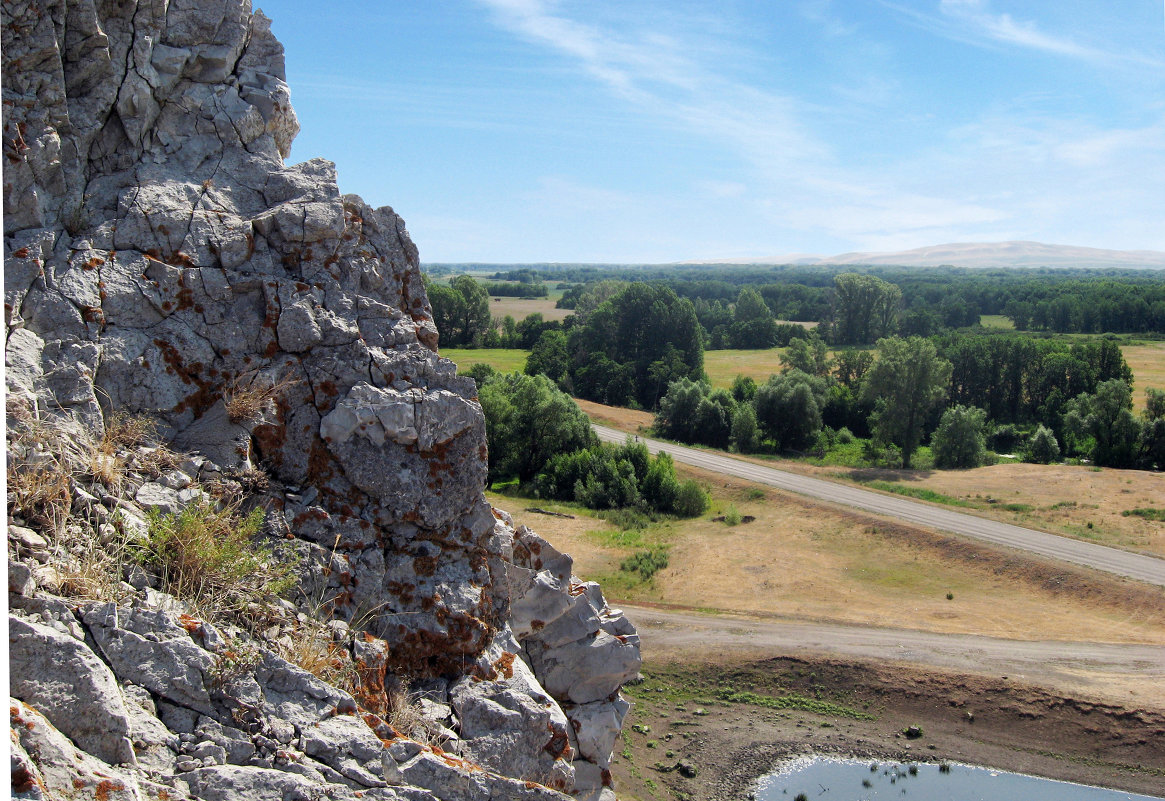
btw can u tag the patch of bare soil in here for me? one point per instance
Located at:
(633, 421)
(682, 724)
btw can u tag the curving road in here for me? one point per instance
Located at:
(1134, 669)
(1111, 560)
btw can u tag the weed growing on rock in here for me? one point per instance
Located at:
(206, 556)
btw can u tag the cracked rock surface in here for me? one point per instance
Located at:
(161, 258)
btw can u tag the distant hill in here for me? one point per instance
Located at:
(981, 254)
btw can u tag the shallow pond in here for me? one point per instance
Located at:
(846, 780)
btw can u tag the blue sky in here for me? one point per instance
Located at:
(620, 131)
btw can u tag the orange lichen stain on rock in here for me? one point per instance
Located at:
(505, 664)
(104, 787)
(425, 565)
(23, 780)
(22, 253)
(191, 624)
(201, 399)
(559, 745)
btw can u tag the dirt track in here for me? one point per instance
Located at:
(1127, 674)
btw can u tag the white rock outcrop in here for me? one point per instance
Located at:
(161, 258)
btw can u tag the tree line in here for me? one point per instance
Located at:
(1043, 399)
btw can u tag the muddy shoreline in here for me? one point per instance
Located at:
(682, 725)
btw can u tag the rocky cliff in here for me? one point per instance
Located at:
(162, 261)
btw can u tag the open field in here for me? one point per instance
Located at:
(996, 321)
(519, 308)
(804, 560)
(1062, 499)
(506, 360)
(722, 366)
(1075, 500)
(1147, 362)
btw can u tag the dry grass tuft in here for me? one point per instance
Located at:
(405, 715)
(248, 400)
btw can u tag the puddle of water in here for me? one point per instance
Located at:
(847, 780)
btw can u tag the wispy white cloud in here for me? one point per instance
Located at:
(974, 22)
(657, 74)
(1000, 176)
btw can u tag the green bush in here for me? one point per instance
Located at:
(645, 563)
(959, 441)
(1042, 448)
(660, 485)
(691, 500)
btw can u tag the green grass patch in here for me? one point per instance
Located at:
(921, 493)
(645, 563)
(619, 538)
(505, 360)
(792, 701)
(1147, 512)
(996, 321)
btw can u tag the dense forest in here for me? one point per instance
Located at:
(1060, 300)
(893, 365)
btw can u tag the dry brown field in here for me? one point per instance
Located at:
(808, 561)
(1064, 499)
(520, 308)
(1148, 365)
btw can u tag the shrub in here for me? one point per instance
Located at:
(205, 555)
(732, 516)
(1042, 448)
(691, 500)
(660, 485)
(959, 442)
(250, 400)
(645, 563)
(744, 428)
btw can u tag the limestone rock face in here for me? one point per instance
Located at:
(161, 258)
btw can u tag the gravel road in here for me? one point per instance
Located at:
(1112, 560)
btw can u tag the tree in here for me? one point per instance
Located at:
(744, 428)
(1153, 430)
(634, 345)
(809, 355)
(1042, 447)
(549, 356)
(527, 421)
(475, 317)
(753, 325)
(865, 308)
(447, 311)
(906, 382)
(676, 418)
(460, 310)
(959, 441)
(788, 408)
(1106, 419)
(852, 366)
